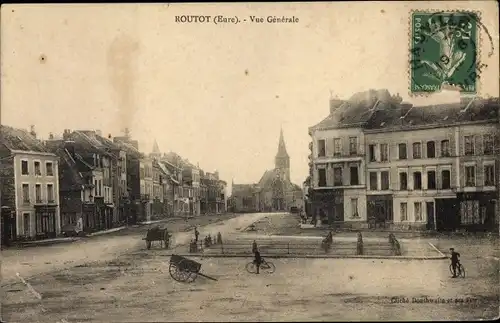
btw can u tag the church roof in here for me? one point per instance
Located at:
(281, 146)
(267, 178)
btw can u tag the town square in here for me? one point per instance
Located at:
(157, 167)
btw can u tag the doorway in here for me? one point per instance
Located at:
(8, 222)
(431, 224)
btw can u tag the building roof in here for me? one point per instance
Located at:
(281, 146)
(378, 110)
(402, 117)
(355, 111)
(21, 140)
(70, 176)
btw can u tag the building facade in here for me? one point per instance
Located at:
(30, 187)
(273, 192)
(426, 168)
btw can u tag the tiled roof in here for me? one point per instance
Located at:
(70, 177)
(357, 110)
(267, 178)
(401, 117)
(19, 139)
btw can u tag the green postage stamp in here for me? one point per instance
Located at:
(443, 50)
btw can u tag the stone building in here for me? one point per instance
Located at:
(421, 167)
(274, 191)
(29, 185)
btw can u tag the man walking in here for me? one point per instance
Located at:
(196, 234)
(454, 261)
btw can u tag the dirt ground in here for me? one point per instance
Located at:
(137, 287)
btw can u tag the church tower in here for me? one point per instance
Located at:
(156, 151)
(282, 160)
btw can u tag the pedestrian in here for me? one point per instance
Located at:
(257, 259)
(254, 246)
(454, 261)
(196, 234)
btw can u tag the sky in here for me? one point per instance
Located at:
(215, 94)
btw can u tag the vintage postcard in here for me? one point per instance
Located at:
(233, 162)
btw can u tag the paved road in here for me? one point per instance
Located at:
(38, 260)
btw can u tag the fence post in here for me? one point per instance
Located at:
(289, 248)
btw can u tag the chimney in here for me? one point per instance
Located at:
(66, 134)
(51, 135)
(109, 136)
(32, 131)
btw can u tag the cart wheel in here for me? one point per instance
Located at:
(187, 275)
(148, 244)
(175, 273)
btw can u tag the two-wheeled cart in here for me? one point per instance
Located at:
(185, 270)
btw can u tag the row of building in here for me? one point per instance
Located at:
(378, 161)
(85, 179)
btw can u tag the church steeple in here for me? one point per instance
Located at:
(282, 160)
(156, 150)
(281, 146)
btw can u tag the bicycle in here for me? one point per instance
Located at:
(266, 266)
(460, 270)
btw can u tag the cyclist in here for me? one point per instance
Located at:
(257, 261)
(254, 246)
(454, 261)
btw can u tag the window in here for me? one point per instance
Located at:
(354, 208)
(445, 179)
(26, 193)
(489, 175)
(403, 181)
(353, 145)
(50, 193)
(469, 212)
(26, 223)
(24, 167)
(431, 149)
(431, 180)
(49, 170)
(417, 150)
(321, 148)
(488, 144)
(38, 193)
(384, 179)
(371, 151)
(469, 145)
(337, 176)
(470, 176)
(417, 211)
(38, 171)
(373, 181)
(354, 175)
(337, 147)
(384, 152)
(402, 151)
(445, 148)
(322, 177)
(417, 180)
(404, 211)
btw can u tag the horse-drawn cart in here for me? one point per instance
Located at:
(185, 270)
(157, 234)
